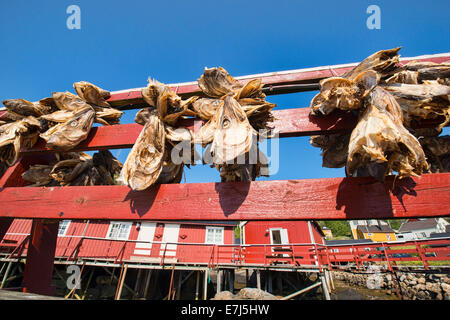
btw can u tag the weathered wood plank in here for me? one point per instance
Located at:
(334, 198)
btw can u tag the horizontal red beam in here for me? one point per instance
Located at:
(288, 123)
(307, 75)
(318, 199)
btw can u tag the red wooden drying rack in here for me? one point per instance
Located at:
(312, 199)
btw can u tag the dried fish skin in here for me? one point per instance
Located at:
(169, 105)
(405, 76)
(334, 149)
(107, 116)
(382, 62)
(69, 134)
(217, 82)
(424, 101)
(92, 94)
(205, 108)
(144, 162)
(67, 170)
(252, 89)
(171, 172)
(16, 135)
(437, 150)
(59, 116)
(68, 101)
(344, 94)
(38, 174)
(234, 134)
(18, 109)
(380, 137)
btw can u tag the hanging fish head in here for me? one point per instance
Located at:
(234, 133)
(70, 133)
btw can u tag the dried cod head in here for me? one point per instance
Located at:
(144, 162)
(233, 134)
(70, 133)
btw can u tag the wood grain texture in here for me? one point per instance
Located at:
(318, 199)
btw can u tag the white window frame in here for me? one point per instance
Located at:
(66, 227)
(112, 223)
(216, 229)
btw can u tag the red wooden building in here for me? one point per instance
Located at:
(175, 242)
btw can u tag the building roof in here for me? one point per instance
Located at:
(376, 229)
(410, 226)
(343, 242)
(440, 235)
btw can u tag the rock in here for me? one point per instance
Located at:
(255, 294)
(224, 295)
(433, 287)
(420, 287)
(445, 287)
(421, 295)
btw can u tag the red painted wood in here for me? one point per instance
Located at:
(320, 199)
(289, 123)
(41, 252)
(134, 97)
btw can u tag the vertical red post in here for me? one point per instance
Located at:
(38, 271)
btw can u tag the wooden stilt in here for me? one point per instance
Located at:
(246, 277)
(205, 285)
(118, 280)
(171, 282)
(137, 284)
(180, 283)
(258, 279)
(325, 287)
(280, 282)
(147, 282)
(5, 276)
(88, 283)
(121, 282)
(269, 282)
(219, 281)
(197, 285)
(231, 282)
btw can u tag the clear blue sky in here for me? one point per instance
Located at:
(122, 43)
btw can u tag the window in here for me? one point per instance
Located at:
(214, 235)
(119, 230)
(63, 227)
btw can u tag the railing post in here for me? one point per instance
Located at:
(422, 255)
(38, 271)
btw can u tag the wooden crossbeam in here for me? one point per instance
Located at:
(132, 98)
(321, 199)
(289, 123)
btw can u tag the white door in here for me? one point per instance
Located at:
(146, 233)
(170, 234)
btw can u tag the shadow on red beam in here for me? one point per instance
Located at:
(319, 199)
